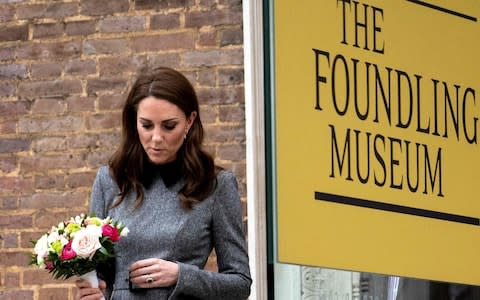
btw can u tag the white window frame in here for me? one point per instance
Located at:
(255, 145)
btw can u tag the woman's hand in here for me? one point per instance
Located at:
(153, 273)
(86, 292)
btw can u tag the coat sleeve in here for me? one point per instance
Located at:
(232, 281)
(97, 196)
(101, 191)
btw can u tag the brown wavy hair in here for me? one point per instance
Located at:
(129, 164)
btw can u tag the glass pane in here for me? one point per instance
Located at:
(294, 282)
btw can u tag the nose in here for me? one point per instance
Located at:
(157, 135)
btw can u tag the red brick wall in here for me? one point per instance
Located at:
(64, 69)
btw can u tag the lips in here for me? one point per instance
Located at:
(157, 150)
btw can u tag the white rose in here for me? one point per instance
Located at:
(87, 241)
(41, 249)
(53, 237)
(41, 262)
(124, 232)
(79, 219)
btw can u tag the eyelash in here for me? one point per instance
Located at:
(167, 127)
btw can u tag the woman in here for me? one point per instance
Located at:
(175, 202)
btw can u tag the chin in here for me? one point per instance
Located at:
(159, 161)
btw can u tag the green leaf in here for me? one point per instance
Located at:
(104, 251)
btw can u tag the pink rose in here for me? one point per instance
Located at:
(67, 252)
(111, 232)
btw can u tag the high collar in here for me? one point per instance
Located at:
(170, 172)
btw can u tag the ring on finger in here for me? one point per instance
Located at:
(149, 279)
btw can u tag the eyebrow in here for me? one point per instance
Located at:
(163, 121)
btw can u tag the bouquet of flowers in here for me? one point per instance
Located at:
(77, 246)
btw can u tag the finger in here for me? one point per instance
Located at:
(146, 285)
(89, 293)
(81, 283)
(145, 271)
(143, 263)
(92, 297)
(145, 266)
(102, 284)
(144, 279)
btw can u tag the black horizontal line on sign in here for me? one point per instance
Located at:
(396, 208)
(444, 10)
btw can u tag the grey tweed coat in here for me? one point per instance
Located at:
(161, 228)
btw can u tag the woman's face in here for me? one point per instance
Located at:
(161, 127)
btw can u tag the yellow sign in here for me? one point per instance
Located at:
(377, 136)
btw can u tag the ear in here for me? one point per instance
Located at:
(191, 118)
